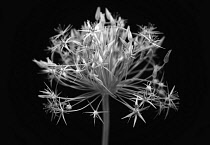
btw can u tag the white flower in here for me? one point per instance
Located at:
(106, 59)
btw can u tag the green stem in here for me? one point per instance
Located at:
(105, 136)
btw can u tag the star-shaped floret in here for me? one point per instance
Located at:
(169, 100)
(135, 112)
(95, 112)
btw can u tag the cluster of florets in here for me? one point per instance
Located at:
(104, 58)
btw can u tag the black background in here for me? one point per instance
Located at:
(27, 26)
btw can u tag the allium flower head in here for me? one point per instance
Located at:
(106, 59)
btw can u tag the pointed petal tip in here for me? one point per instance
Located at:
(97, 15)
(109, 16)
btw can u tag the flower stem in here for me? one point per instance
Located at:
(105, 135)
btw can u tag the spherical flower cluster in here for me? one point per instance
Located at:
(105, 59)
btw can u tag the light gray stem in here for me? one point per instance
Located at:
(106, 119)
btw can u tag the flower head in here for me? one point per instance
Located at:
(106, 58)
